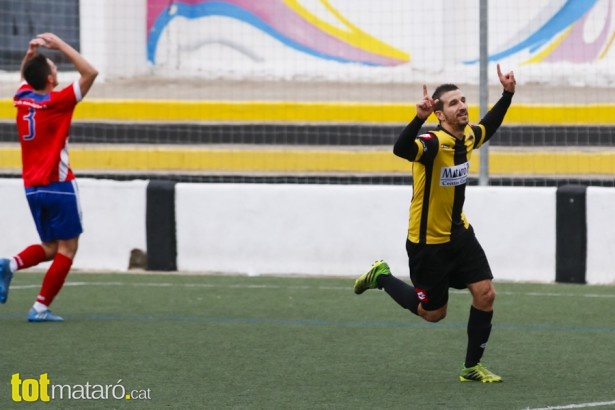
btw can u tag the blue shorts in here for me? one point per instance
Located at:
(56, 210)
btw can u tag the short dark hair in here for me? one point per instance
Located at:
(442, 89)
(36, 70)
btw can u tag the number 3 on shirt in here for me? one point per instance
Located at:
(31, 125)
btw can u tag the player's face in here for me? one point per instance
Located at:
(455, 110)
(54, 72)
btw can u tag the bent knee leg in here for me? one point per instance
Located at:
(486, 299)
(433, 316)
(483, 295)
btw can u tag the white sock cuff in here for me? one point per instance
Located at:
(13, 265)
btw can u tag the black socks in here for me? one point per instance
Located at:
(400, 291)
(479, 329)
(479, 323)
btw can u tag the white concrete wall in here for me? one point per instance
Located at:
(314, 229)
(113, 36)
(113, 223)
(600, 235)
(113, 220)
(516, 227)
(303, 229)
(341, 230)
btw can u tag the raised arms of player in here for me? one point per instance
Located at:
(405, 146)
(86, 70)
(31, 52)
(493, 119)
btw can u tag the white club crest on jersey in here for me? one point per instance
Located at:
(454, 176)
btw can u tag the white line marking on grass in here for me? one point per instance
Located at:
(294, 287)
(307, 287)
(576, 406)
(205, 285)
(182, 285)
(15, 287)
(552, 294)
(544, 294)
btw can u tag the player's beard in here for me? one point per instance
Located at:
(459, 121)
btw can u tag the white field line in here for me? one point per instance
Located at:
(576, 406)
(294, 287)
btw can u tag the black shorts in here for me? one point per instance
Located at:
(455, 264)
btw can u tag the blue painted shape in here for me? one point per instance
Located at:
(570, 12)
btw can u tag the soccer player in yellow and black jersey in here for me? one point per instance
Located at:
(443, 251)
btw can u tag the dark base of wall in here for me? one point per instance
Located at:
(571, 234)
(160, 226)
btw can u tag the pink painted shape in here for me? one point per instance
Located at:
(154, 9)
(289, 24)
(574, 49)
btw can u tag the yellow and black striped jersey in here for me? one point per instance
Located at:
(440, 173)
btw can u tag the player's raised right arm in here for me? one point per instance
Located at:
(86, 70)
(405, 146)
(426, 106)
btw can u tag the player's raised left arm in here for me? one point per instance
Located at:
(494, 118)
(507, 80)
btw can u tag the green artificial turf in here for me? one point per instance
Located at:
(215, 342)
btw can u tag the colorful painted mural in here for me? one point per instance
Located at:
(289, 38)
(559, 37)
(287, 21)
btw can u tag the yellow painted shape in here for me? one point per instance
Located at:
(607, 48)
(142, 110)
(237, 160)
(314, 112)
(10, 157)
(543, 54)
(7, 110)
(312, 160)
(354, 36)
(552, 163)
